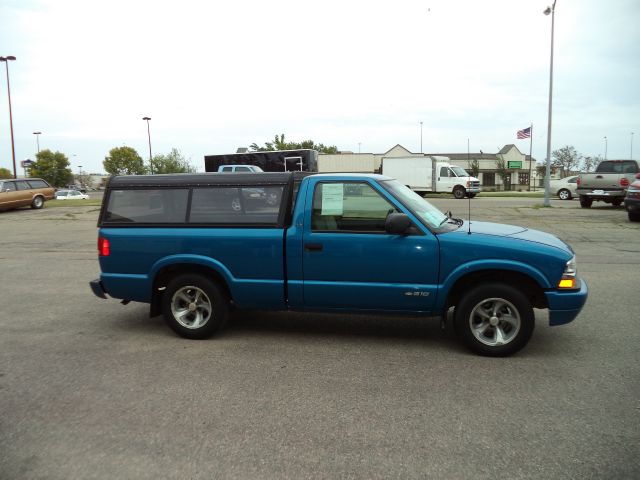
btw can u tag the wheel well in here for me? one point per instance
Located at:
(164, 276)
(522, 282)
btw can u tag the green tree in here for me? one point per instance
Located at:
(566, 159)
(52, 167)
(5, 173)
(173, 162)
(503, 172)
(589, 164)
(279, 143)
(474, 167)
(124, 161)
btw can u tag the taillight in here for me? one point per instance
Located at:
(578, 181)
(624, 182)
(103, 247)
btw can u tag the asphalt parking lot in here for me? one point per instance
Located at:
(93, 389)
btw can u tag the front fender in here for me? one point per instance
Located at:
(485, 265)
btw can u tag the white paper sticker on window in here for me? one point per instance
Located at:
(332, 199)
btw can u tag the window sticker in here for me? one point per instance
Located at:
(332, 199)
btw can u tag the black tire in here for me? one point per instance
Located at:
(564, 194)
(487, 308)
(194, 306)
(37, 203)
(459, 193)
(617, 202)
(634, 216)
(585, 202)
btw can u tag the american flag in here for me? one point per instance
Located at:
(524, 133)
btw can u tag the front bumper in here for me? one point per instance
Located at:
(565, 305)
(98, 289)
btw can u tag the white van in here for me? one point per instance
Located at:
(431, 174)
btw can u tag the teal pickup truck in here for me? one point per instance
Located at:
(195, 245)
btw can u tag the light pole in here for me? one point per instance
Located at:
(37, 134)
(550, 10)
(149, 135)
(606, 144)
(13, 148)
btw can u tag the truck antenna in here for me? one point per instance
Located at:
(469, 194)
(469, 226)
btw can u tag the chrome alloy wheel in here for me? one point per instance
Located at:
(191, 307)
(494, 322)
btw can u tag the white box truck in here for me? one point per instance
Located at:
(431, 174)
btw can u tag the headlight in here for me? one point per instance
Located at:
(568, 279)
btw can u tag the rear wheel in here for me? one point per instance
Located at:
(495, 320)
(459, 192)
(585, 202)
(37, 203)
(634, 216)
(564, 194)
(194, 306)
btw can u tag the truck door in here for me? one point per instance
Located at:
(446, 179)
(350, 262)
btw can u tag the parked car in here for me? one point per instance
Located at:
(564, 189)
(632, 200)
(239, 169)
(71, 195)
(24, 192)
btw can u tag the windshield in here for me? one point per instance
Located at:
(429, 214)
(62, 194)
(460, 172)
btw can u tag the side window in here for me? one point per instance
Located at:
(444, 172)
(236, 205)
(349, 207)
(243, 169)
(22, 185)
(573, 180)
(37, 184)
(227, 169)
(147, 206)
(9, 187)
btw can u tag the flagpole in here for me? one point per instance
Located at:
(530, 155)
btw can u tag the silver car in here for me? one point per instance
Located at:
(564, 189)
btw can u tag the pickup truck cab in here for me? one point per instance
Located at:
(333, 243)
(608, 184)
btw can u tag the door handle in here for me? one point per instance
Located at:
(313, 247)
(598, 176)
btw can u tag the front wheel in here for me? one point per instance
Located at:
(564, 194)
(459, 193)
(494, 320)
(194, 306)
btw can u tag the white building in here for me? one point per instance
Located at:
(519, 165)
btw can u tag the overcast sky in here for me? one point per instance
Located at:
(215, 76)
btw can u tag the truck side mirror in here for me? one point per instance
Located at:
(397, 223)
